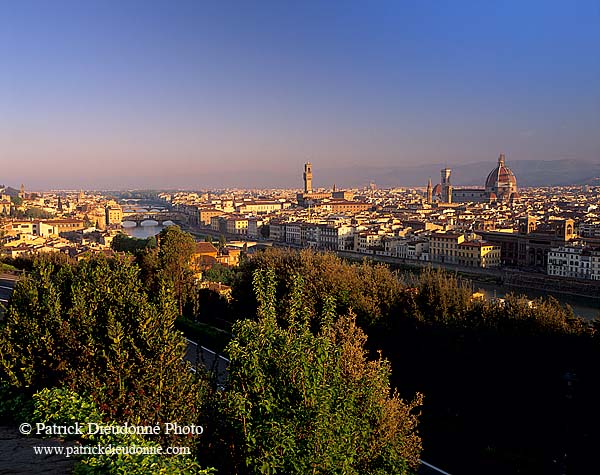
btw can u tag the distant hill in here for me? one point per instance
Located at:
(9, 190)
(528, 173)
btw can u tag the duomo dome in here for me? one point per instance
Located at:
(501, 181)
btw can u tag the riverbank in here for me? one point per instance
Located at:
(582, 295)
(507, 277)
(503, 281)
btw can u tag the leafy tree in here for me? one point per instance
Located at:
(222, 241)
(33, 213)
(174, 255)
(371, 291)
(220, 273)
(494, 372)
(301, 402)
(123, 243)
(265, 231)
(63, 406)
(92, 328)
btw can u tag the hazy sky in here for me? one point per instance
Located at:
(195, 94)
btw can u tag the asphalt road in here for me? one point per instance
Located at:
(7, 284)
(200, 356)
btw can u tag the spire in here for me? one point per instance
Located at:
(501, 160)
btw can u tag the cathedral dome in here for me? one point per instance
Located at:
(501, 178)
(501, 181)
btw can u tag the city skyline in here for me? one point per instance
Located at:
(195, 95)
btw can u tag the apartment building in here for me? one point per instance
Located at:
(478, 254)
(277, 231)
(443, 247)
(255, 228)
(293, 233)
(577, 262)
(206, 214)
(236, 225)
(259, 206)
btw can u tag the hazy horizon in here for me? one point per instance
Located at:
(203, 95)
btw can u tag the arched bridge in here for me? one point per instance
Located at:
(159, 217)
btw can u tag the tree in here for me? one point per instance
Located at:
(371, 291)
(174, 255)
(220, 273)
(265, 231)
(222, 241)
(300, 401)
(90, 327)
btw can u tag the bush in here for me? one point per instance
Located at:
(65, 407)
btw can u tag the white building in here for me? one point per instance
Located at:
(576, 262)
(293, 233)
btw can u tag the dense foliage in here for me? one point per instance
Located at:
(123, 243)
(32, 213)
(174, 255)
(371, 291)
(510, 387)
(304, 400)
(63, 407)
(91, 327)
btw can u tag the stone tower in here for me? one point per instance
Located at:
(307, 177)
(446, 186)
(429, 192)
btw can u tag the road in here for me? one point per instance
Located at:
(199, 356)
(7, 284)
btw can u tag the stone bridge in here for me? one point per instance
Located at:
(159, 217)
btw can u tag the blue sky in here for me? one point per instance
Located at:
(199, 94)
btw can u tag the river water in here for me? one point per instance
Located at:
(142, 232)
(585, 307)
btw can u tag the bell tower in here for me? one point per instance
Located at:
(446, 186)
(429, 192)
(307, 177)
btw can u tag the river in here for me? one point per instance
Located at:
(142, 232)
(585, 307)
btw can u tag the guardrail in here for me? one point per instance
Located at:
(431, 469)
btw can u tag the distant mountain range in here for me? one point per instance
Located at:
(528, 173)
(9, 190)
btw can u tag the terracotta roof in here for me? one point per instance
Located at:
(204, 247)
(500, 174)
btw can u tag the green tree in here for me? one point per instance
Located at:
(123, 243)
(222, 241)
(92, 328)
(300, 401)
(175, 251)
(371, 291)
(63, 406)
(220, 273)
